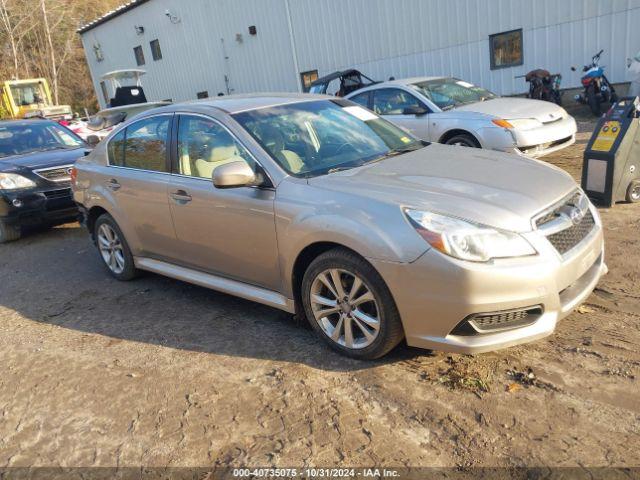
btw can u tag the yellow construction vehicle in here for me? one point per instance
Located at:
(30, 98)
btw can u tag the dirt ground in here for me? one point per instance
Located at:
(157, 372)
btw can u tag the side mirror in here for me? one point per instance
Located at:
(93, 140)
(234, 175)
(415, 110)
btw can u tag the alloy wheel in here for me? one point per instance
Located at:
(635, 193)
(111, 248)
(345, 308)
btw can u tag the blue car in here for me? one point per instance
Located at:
(36, 160)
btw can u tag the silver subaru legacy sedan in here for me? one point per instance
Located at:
(317, 206)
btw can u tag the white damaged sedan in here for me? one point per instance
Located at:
(455, 112)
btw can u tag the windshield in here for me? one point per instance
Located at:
(448, 93)
(314, 138)
(27, 94)
(35, 136)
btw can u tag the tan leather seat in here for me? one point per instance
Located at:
(219, 156)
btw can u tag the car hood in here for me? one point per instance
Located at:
(46, 159)
(512, 108)
(492, 188)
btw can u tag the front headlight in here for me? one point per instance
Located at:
(519, 124)
(465, 240)
(13, 181)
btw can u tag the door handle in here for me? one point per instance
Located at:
(113, 184)
(181, 197)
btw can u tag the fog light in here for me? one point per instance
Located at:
(17, 203)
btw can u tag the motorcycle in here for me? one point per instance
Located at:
(597, 88)
(543, 85)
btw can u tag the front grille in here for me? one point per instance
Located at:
(565, 240)
(61, 193)
(60, 174)
(568, 223)
(498, 321)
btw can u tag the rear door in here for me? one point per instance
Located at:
(230, 232)
(137, 179)
(392, 103)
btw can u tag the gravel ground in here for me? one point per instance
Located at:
(157, 372)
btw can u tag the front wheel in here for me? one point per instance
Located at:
(463, 140)
(9, 233)
(593, 101)
(633, 192)
(349, 305)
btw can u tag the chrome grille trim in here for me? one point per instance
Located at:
(59, 174)
(567, 223)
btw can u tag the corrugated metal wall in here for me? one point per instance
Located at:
(380, 37)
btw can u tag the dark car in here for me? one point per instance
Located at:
(341, 83)
(36, 157)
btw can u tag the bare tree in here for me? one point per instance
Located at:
(12, 22)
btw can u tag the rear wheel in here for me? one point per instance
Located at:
(9, 233)
(463, 140)
(633, 192)
(349, 306)
(113, 248)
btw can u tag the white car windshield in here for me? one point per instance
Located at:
(314, 138)
(448, 93)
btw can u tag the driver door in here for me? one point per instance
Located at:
(229, 232)
(393, 103)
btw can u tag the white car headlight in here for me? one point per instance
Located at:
(468, 241)
(525, 123)
(13, 181)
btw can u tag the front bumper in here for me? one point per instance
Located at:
(533, 143)
(38, 206)
(436, 293)
(547, 139)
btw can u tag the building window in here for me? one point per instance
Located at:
(137, 51)
(156, 53)
(506, 49)
(308, 78)
(202, 95)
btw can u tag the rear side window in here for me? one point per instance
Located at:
(142, 145)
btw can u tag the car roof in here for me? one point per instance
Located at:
(400, 81)
(241, 103)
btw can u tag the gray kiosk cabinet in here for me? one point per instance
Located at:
(611, 167)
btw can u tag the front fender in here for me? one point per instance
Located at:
(374, 230)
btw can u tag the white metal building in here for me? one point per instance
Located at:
(192, 48)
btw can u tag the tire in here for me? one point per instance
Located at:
(375, 313)
(556, 97)
(633, 192)
(9, 233)
(593, 101)
(114, 249)
(463, 140)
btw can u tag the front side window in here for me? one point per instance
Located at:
(139, 54)
(393, 101)
(448, 93)
(142, 145)
(506, 49)
(204, 145)
(314, 138)
(362, 99)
